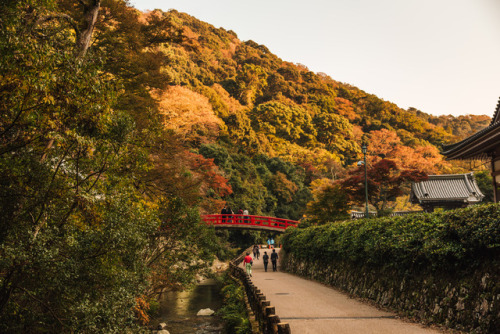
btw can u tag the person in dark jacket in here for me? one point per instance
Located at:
(223, 212)
(265, 258)
(256, 252)
(274, 259)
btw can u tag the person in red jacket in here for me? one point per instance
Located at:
(248, 261)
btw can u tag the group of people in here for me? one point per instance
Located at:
(226, 210)
(248, 260)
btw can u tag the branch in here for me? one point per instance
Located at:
(45, 197)
(43, 304)
(58, 16)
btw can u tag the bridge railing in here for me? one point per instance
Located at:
(250, 220)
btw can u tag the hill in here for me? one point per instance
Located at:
(237, 103)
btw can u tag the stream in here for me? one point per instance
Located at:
(178, 310)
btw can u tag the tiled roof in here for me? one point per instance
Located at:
(448, 149)
(495, 119)
(446, 188)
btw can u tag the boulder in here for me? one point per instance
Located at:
(205, 312)
(162, 326)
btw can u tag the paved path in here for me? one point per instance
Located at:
(311, 307)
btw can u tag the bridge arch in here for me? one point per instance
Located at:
(249, 222)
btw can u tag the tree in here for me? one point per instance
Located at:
(330, 203)
(73, 227)
(79, 209)
(189, 114)
(385, 183)
(289, 122)
(336, 132)
(485, 182)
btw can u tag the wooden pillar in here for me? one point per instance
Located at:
(273, 320)
(284, 328)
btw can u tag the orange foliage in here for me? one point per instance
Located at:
(346, 109)
(189, 114)
(386, 143)
(141, 310)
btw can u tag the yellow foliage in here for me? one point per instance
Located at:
(318, 185)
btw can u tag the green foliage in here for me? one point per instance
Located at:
(336, 133)
(445, 241)
(330, 204)
(79, 237)
(262, 185)
(485, 182)
(233, 311)
(289, 122)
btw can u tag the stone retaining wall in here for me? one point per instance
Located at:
(468, 301)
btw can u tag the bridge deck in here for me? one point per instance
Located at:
(311, 307)
(250, 222)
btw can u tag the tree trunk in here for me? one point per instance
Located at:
(90, 11)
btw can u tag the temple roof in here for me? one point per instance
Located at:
(479, 145)
(446, 188)
(496, 114)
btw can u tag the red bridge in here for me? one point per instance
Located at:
(250, 222)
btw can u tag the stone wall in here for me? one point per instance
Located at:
(468, 301)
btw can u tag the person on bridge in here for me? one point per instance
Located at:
(240, 215)
(256, 252)
(274, 259)
(248, 261)
(265, 258)
(223, 212)
(245, 212)
(229, 212)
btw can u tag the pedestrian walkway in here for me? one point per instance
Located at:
(311, 307)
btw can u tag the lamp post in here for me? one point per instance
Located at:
(363, 148)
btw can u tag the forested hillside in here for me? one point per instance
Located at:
(273, 127)
(118, 128)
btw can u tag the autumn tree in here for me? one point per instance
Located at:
(330, 203)
(385, 183)
(189, 114)
(80, 218)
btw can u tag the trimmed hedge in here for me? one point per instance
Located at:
(448, 240)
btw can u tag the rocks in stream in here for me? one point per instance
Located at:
(161, 329)
(205, 312)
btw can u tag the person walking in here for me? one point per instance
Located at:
(268, 242)
(256, 252)
(272, 242)
(274, 259)
(248, 261)
(265, 258)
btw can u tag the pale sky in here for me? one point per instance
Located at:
(439, 56)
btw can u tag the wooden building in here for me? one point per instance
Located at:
(446, 191)
(485, 146)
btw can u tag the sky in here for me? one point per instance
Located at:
(439, 56)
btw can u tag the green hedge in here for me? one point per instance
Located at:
(446, 240)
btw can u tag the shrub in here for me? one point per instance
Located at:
(446, 240)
